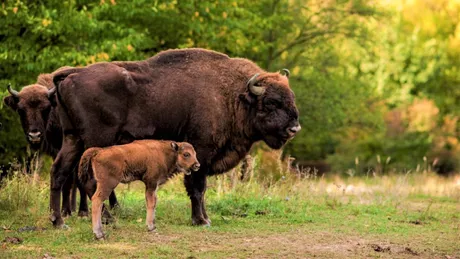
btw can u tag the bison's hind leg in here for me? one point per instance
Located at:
(83, 208)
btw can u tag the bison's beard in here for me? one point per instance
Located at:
(275, 142)
(35, 146)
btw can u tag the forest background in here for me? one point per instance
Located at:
(376, 82)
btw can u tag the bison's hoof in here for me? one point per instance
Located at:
(65, 227)
(83, 214)
(107, 220)
(58, 222)
(201, 222)
(66, 213)
(115, 206)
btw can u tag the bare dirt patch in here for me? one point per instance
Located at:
(299, 243)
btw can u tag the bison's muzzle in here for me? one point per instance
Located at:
(292, 131)
(34, 137)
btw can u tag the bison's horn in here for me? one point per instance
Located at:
(51, 91)
(12, 91)
(257, 90)
(286, 72)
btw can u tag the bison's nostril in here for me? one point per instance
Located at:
(295, 129)
(35, 134)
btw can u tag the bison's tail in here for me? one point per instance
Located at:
(59, 76)
(85, 171)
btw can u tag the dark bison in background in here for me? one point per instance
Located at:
(220, 105)
(35, 106)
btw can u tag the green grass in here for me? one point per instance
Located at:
(383, 217)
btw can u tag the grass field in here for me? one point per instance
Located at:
(400, 216)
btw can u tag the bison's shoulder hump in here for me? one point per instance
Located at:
(45, 80)
(180, 56)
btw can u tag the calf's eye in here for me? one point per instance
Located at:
(186, 154)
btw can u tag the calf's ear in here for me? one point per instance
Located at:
(175, 146)
(11, 101)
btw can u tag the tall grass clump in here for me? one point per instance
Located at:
(23, 197)
(264, 186)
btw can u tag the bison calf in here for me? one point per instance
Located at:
(150, 161)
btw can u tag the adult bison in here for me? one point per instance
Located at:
(220, 105)
(35, 105)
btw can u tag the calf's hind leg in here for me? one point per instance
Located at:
(151, 199)
(90, 188)
(102, 193)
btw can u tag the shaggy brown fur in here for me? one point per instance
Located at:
(220, 105)
(38, 116)
(150, 161)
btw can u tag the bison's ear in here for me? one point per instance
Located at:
(52, 100)
(11, 101)
(247, 98)
(174, 146)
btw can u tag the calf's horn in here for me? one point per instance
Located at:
(257, 90)
(12, 91)
(286, 72)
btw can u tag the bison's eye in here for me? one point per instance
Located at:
(46, 111)
(21, 112)
(272, 104)
(186, 155)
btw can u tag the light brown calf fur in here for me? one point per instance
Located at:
(150, 161)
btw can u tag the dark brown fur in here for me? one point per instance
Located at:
(192, 95)
(37, 114)
(150, 161)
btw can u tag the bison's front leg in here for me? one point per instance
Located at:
(113, 200)
(63, 165)
(196, 188)
(151, 199)
(73, 195)
(67, 201)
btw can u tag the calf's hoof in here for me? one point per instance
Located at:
(201, 222)
(99, 236)
(152, 228)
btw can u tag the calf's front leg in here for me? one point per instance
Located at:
(151, 199)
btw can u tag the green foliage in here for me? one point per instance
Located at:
(351, 62)
(38, 37)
